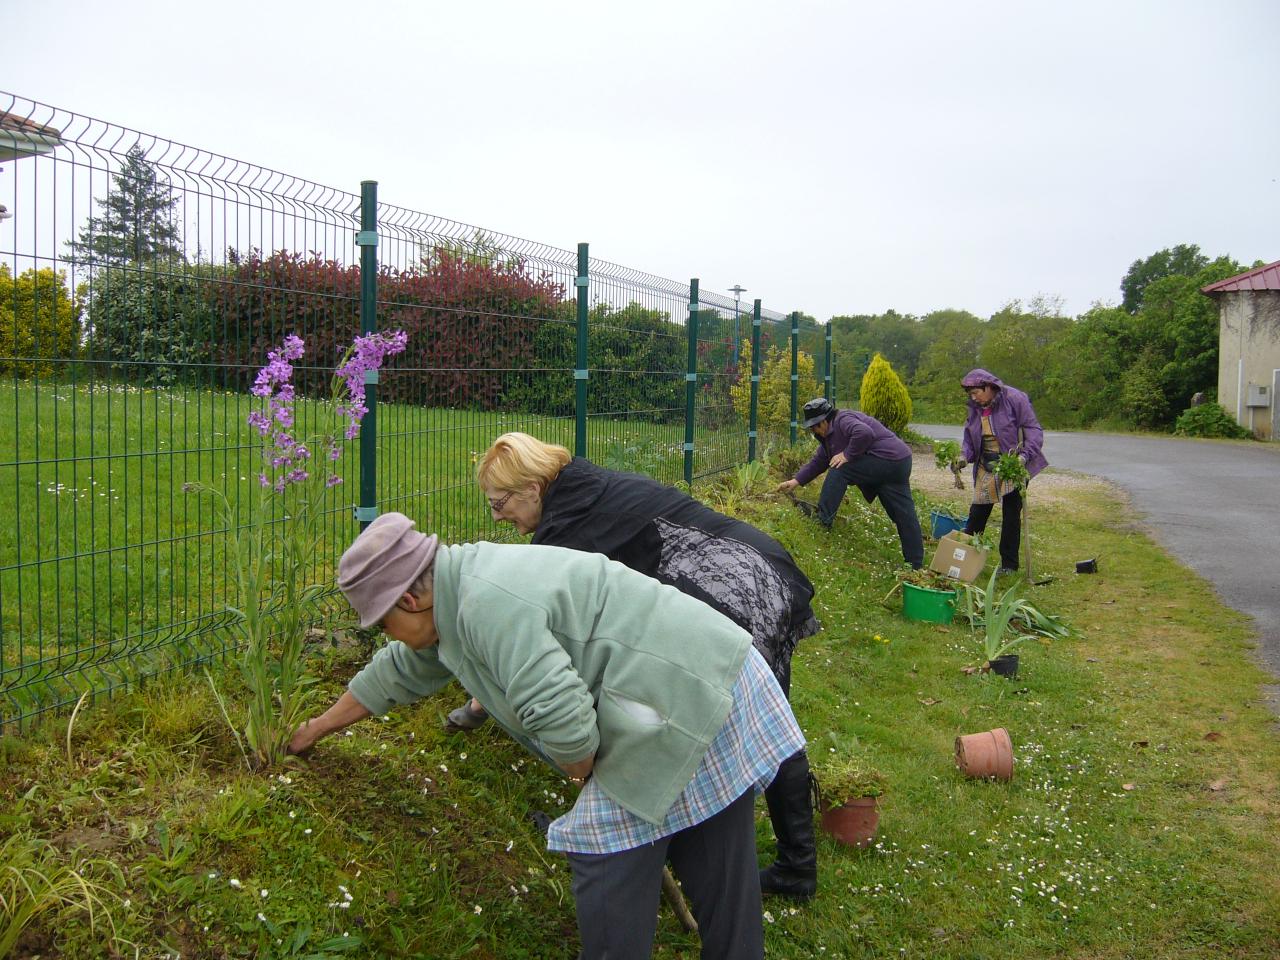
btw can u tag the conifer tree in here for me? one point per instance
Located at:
(137, 222)
(884, 396)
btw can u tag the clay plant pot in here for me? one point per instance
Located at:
(853, 824)
(1006, 666)
(987, 755)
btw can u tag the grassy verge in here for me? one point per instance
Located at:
(1140, 822)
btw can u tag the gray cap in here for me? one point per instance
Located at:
(817, 410)
(383, 563)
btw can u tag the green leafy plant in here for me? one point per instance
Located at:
(1011, 470)
(155, 326)
(929, 579)
(981, 541)
(739, 484)
(272, 558)
(924, 578)
(946, 456)
(945, 452)
(636, 452)
(995, 613)
(844, 774)
(1209, 420)
(35, 878)
(1026, 616)
(749, 476)
(785, 461)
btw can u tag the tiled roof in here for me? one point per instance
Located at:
(1260, 278)
(22, 137)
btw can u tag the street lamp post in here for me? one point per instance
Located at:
(737, 290)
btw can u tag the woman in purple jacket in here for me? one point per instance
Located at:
(1000, 420)
(855, 448)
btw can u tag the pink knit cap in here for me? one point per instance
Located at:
(383, 563)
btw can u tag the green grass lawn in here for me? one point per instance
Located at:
(1141, 821)
(110, 573)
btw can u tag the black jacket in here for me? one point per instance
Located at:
(626, 516)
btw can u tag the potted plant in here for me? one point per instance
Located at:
(994, 613)
(849, 788)
(926, 596)
(1026, 616)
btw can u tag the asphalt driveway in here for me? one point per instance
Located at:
(1215, 506)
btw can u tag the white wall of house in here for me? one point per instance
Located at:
(1249, 354)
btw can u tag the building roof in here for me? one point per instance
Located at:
(22, 137)
(1259, 278)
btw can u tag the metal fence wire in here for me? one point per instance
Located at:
(143, 281)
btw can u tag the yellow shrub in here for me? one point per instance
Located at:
(774, 405)
(884, 395)
(39, 322)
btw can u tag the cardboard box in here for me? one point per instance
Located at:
(957, 558)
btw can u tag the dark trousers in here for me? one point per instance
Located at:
(890, 480)
(616, 894)
(1010, 525)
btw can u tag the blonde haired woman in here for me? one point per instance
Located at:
(566, 501)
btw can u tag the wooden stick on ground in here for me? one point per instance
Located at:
(671, 890)
(1026, 513)
(1026, 536)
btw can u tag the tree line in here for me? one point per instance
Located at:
(1133, 365)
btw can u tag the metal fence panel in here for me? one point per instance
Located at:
(143, 281)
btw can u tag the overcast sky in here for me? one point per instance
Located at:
(834, 158)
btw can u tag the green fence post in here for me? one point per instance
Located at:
(795, 373)
(753, 420)
(580, 374)
(826, 377)
(691, 382)
(367, 240)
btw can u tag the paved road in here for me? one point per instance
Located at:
(1215, 506)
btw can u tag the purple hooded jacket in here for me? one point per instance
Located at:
(854, 434)
(1010, 412)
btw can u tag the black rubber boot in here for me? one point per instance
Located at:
(790, 800)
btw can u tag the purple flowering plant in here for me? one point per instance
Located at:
(275, 552)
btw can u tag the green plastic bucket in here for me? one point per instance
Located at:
(930, 606)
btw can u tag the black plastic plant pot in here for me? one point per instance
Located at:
(1087, 566)
(1006, 666)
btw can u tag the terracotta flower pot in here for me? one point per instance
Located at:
(986, 755)
(853, 824)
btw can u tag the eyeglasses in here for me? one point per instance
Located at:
(497, 505)
(382, 624)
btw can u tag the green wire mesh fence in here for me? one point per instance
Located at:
(143, 281)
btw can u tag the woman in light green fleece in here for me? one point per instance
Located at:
(590, 665)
